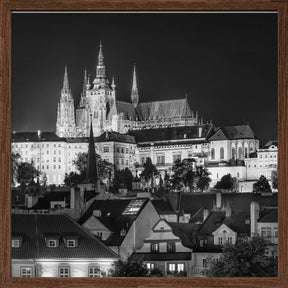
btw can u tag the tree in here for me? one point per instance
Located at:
(274, 179)
(73, 178)
(246, 258)
(104, 169)
(183, 174)
(132, 267)
(204, 180)
(124, 177)
(262, 185)
(26, 172)
(149, 171)
(227, 182)
(15, 157)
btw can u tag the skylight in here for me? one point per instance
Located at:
(133, 207)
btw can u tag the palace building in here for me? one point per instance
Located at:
(127, 133)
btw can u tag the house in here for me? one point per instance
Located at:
(121, 224)
(54, 245)
(165, 251)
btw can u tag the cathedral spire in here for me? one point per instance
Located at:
(100, 79)
(134, 92)
(91, 176)
(100, 56)
(65, 88)
(84, 83)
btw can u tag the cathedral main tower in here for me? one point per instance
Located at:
(97, 101)
(65, 125)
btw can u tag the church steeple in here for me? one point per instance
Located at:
(100, 70)
(91, 176)
(65, 88)
(134, 91)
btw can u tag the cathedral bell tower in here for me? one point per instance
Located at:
(65, 124)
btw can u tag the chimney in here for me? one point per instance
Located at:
(205, 214)
(218, 200)
(72, 198)
(228, 211)
(97, 213)
(254, 216)
(200, 132)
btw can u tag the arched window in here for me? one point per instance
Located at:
(240, 153)
(233, 153)
(246, 152)
(251, 147)
(221, 153)
(212, 153)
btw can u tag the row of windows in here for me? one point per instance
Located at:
(48, 167)
(170, 247)
(173, 267)
(121, 161)
(122, 149)
(266, 156)
(63, 271)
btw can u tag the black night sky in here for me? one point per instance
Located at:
(226, 63)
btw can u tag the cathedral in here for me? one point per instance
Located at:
(98, 104)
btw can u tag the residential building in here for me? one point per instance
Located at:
(165, 251)
(54, 245)
(121, 224)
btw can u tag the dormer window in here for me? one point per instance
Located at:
(71, 243)
(52, 243)
(16, 243)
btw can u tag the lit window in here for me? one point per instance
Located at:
(150, 266)
(16, 243)
(180, 267)
(64, 271)
(26, 271)
(52, 243)
(172, 267)
(155, 247)
(94, 271)
(133, 207)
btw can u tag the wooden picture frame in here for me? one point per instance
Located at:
(7, 6)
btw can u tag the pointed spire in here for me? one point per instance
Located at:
(100, 56)
(113, 86)
(134, 92)
(65, 82)
(84, 83)
(91, 176)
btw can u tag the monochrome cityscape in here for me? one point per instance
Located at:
(130, 185)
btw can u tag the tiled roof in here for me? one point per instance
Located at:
(233, 133)
(164, 256)
(186, 133)
(157, 110)
(112, 218)
(271, 216)
(33, 137)
(270, 143)
(163, 206)
(239, 202)
(33, 227)
(127, 109)
(116, 137)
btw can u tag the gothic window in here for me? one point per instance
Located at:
(212, 153)
(221, 153)
(233, 153)
(240, 153)
(246, 152)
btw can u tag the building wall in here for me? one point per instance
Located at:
(139, 230)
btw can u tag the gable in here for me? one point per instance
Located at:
(218, 135)
(94, 224)
(162, 225)
(223, 228)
